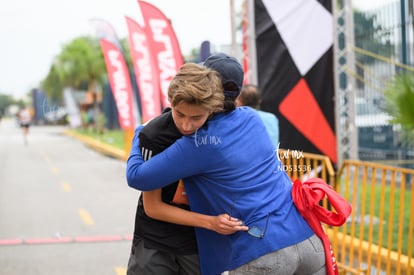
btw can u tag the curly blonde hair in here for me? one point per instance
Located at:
(198, 85)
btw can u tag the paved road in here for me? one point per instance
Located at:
(64, 208)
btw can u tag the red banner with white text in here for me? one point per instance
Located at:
(164, 45)
(120, 83)
(145, 69)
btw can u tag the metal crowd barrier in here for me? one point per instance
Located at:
(378, 236)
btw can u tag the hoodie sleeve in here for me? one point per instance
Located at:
(176, 162)
(135, 158)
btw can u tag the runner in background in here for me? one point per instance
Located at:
(25, 118)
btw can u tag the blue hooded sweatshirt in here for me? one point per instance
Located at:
(228, 166)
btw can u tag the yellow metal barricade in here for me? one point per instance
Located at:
(302, 165)
(378, 236)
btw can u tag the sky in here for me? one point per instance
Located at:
(34, 32)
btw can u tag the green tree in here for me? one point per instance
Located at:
(127, 52)
(53, 84)
(80, 65)
(399, 95)
(5, 101)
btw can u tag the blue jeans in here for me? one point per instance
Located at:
(307, 257)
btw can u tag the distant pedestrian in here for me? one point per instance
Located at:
(250, 95)
(25, 118)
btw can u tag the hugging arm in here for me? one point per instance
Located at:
(135, 172)
(161, 169)
(158, 172)
(157, 209)
(134, 160)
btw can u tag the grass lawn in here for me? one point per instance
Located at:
(395, 201)
(115, 138)
(385, 203)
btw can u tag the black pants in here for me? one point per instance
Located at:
(145, 261)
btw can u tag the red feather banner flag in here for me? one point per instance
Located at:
(115, 63)
(145, 69)
(105, 30)
(164, 45)
(120, 83)
(245, 44)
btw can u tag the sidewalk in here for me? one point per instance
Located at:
(99, 146)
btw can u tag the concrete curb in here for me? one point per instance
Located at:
(98, 146)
